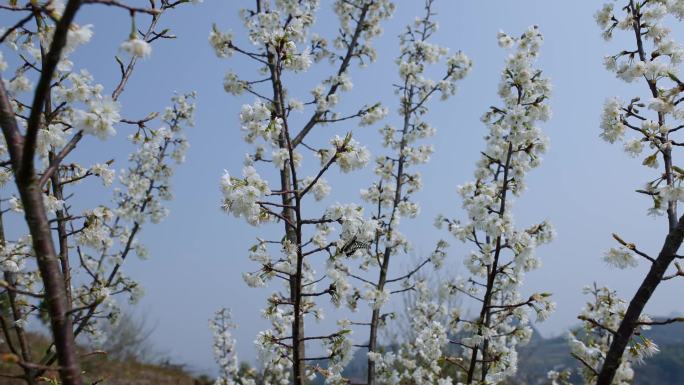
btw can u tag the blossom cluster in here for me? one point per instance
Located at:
(418, 361)
(225, 350)
(646, 123)
(601, 318)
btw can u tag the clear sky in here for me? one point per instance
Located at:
(585, 186)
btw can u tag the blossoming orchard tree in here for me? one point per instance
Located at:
(647, 122)
(514, 146)
(487, 343)
(49, 108)
(503, 254)
(391, 197)
(283, 49)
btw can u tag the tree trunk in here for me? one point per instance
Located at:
(53, 280)
(46, 259)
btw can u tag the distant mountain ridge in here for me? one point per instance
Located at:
(665, 368)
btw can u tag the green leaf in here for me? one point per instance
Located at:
(651, 160)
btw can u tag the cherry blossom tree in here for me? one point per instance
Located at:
(392, 195)
(284, 49)
(644, 123)
(487, 343)
(503, 254)
(73, 284)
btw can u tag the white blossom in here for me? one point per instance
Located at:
(137, 47)
(241, 195)
(100, 119)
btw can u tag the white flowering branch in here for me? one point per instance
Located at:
(503, 254)
(391, 196)
(653, 59)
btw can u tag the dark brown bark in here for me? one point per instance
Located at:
(53, 280)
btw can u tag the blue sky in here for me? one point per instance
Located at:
(585, 186)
